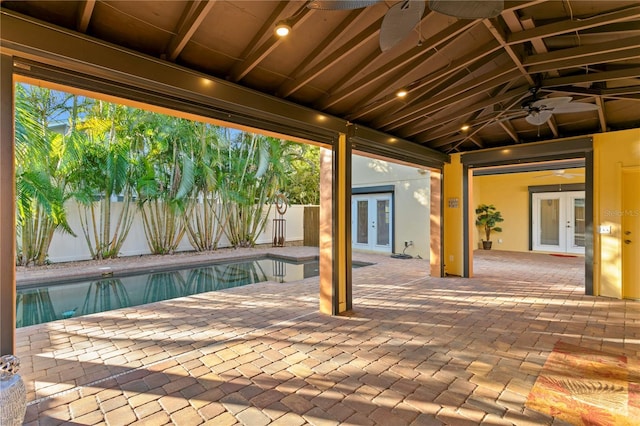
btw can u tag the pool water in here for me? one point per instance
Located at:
(49, 302)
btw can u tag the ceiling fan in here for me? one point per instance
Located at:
(539, 111)
(403, 17)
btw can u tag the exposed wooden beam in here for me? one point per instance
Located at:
(457, 140)
(256, 55)
(601, 116)
(85, 10)
(480, 56)
(557, 56)
(567, 26)
(538, 43)
(427, 86)
(295, 81)
(500, 38)
(596, 34)
(398, 63)
(622, 74)
(476, 141)
(421, 128)
(478, 85)
(611, 51)
(356, 42)
(455, 127)
(627, 92)
(581, 61)
(192, 16)
(508, 127)
(553, 126)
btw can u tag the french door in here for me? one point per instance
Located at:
(371, 222)
(558, 222)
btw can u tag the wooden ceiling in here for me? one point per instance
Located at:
(456, 72)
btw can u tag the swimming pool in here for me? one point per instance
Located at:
(49, 302)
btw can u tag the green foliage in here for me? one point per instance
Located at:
(164, 179)
(252, 173)
(186, 177)
(204, 216)
(102, 173)
(42, 167)
(303, 179)
(487, 218)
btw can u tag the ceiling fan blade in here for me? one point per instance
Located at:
(538, 118)
(575, 107)
(399, 21)
(551, 103)
(464, 9)
(340, 4)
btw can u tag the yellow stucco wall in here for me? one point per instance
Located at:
(612, 152)
(453, 217)
(509, 193)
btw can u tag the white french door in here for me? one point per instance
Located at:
(558, 222)
(371, 222)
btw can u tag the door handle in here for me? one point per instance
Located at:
(627, 241)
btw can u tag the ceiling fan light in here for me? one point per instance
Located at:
(283, 29)
(538, 118)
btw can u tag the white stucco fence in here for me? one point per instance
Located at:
(67, 248)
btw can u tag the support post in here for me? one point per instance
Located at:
(457, 249)
(436, 225)
(7, 211)
(335, 228)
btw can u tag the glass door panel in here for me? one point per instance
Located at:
(383, 223)
(549, 219)
(362, 222)
(578, 222)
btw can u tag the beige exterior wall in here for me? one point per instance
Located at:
(509, 193)
(412, 197)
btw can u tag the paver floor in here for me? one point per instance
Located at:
(415, 349)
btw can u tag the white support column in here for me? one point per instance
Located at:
(7, 211)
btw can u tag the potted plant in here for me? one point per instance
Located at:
(487, 218)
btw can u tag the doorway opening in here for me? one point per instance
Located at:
(372, 218)
(558, 222)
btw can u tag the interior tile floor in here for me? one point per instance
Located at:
(415, 349)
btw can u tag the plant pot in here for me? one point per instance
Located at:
(13, 393)
(486, 245)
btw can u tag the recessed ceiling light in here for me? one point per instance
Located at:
(401, 93)
(283, 29)
(464, 127)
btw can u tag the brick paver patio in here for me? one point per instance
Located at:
(415, 350)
